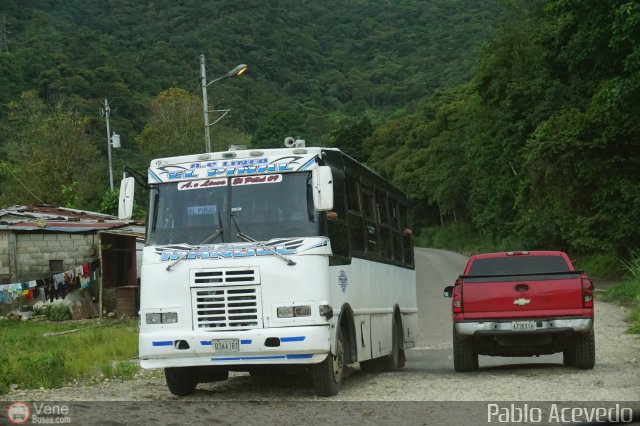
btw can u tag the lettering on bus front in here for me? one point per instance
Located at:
(171, 255)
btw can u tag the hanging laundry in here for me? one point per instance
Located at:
(68, 277)
(85, 270)
(32, 284)
(84, 282)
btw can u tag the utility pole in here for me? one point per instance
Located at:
(107, 110)
(205, 105)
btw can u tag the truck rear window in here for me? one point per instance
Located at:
(519, 265)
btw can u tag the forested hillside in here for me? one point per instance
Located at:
(541, 149)
(515, 120)
(313, 66)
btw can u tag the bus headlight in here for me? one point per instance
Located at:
(162, 318)
(302, 311)
(154, 318)
(169, 317)
(294, 311)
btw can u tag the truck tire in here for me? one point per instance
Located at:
(327, 376)
(465, 358)
(569, 357)
(586, 351)
(180, 380)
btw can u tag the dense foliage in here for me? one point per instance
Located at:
(537, 145)
(541, 149)
(313, 67)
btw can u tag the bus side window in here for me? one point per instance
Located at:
(356, 224)
(384, 227)
(369, 213)
(396, 231)
(407, 243)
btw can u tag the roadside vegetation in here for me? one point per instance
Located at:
(50, 355)
(627, 292)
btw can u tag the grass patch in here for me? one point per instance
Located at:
(627, 293)
(98, 348)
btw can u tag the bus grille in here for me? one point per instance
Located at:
(224, 276)
(226, 308)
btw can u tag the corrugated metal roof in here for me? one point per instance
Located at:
(56, 219)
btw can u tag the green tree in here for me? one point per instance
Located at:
(49, 151)
(350, 138)
(175, 125)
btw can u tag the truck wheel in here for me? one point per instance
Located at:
(327, 376)
(465, 357)
(569, 357)
(586, 351)
(180, 380)
(397, 358)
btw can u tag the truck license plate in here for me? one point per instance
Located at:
(222, 346)
(523, 325)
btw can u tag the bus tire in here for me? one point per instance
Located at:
(327, 376)
(180, 380)
(586, 352)
(397, 359)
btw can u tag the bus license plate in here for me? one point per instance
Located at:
(225, 345)
(523, 325)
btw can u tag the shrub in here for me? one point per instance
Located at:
(59, 313)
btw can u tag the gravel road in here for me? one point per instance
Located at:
(428, 376)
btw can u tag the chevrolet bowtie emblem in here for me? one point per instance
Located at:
(521, 302)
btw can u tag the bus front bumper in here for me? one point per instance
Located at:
(288, 345)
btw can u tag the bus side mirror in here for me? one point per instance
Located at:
(125, 199)
(322, 183)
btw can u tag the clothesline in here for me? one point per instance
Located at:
(57, 285)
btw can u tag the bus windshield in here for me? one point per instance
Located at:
(215, 210)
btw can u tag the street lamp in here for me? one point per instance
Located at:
(236, 72)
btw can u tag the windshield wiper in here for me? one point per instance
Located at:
(245, 237)
(218, 233)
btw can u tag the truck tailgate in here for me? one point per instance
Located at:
(522, 297)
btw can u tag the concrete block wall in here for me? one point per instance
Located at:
(34, 251)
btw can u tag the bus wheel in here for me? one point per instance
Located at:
(327, 376)
(396, 359)
(180, 380)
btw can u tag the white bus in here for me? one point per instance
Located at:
(254, 259)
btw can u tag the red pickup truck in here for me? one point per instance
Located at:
(522, 304)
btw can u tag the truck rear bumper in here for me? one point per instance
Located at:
(576, 325)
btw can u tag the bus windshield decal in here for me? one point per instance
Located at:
(199, 210)
(204, 183)
(253, 180)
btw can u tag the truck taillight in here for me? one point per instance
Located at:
(456, 297)
(587, 293)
